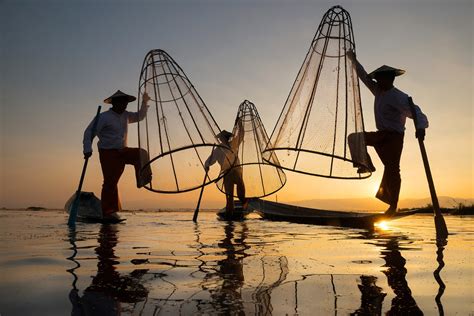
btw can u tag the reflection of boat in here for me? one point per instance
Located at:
(298, 214)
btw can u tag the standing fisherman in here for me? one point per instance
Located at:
(227, 160)
(391, 107)
(112, 128)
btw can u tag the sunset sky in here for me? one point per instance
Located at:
(60, 59)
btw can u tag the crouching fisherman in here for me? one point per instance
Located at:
(391, 108)
(229, 160)
(112, 127)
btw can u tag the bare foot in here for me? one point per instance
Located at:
(392, 210)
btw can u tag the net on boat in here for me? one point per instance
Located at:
(249, 138)
(178, 132)
(322, 117)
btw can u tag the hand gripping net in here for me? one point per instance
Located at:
(178, 132)
(249, 139)
(323, 110)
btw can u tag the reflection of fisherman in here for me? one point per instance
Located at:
(403, 303)
(228, 297)
(114, 154)
(391, 108)
(372, 295)
(227, 159)
(108, 288)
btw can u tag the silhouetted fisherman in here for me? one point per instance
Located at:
(391, 107)
(112, 128)
(227, 160)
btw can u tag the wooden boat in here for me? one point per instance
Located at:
(89, 209)
(298, 214)
(239, 213)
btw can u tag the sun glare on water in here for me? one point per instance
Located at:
(382, 225)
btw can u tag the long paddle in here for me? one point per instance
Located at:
(196, 211)
(440, 224)
(75, 204)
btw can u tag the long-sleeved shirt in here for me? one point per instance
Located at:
(391, 107)
(225, 157)
(112, 129)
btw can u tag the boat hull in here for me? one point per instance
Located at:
(296, 214)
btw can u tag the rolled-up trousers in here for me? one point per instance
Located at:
(389, 146)
(113, 163)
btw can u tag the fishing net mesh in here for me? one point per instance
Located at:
(178, 132)
(323, 110)
(260, 178)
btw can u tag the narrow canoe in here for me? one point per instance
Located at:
(297, 214)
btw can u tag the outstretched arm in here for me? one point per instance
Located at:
(361, 73)
(134, 117)
(239, 137)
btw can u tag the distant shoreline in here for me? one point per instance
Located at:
(461, 210)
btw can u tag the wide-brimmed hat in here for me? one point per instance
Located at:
(119, 94)
(385, 68)
(224, 134)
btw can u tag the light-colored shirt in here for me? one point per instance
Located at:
(391, 107)
(225, 157)
(112, 129)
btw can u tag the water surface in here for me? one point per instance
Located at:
(162, 263)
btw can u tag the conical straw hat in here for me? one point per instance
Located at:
(385, 68)
(119, 94)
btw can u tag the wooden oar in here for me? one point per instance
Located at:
(440, 224)
(196, 211)
(75, 204)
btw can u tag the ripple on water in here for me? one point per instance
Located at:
(170, 265)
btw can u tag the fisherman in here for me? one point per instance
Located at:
(227, 160)
(391, 107)
(112, 127)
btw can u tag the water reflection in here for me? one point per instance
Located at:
(403, 303)
(227, 297)
(230, 269)
(372, 296)
(440, 244)
(108, 288)
(224, 278)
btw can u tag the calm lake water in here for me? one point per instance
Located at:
(162, 263)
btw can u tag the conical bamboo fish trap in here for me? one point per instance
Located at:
(178, 132)
(260, 178)
(323, 108)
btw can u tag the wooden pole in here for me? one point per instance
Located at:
(196, 211)
(440, 224)
(75, 204)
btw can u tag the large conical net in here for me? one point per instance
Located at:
(178, 132)
(249, 138)
(323, 108)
